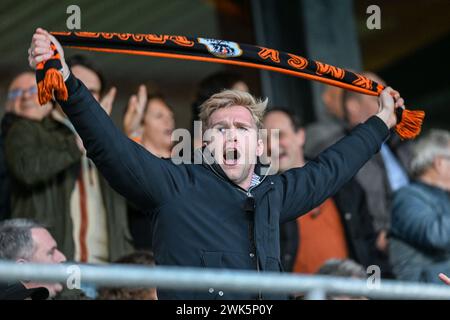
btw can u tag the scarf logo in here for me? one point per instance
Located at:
(221, 48)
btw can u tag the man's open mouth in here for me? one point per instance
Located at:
(231, 156)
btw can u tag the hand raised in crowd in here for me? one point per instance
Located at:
(389, 100)
(40, 50)
(444, 278)
(108, 99)
(135, 111)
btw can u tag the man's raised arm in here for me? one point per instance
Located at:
(129, 168)
(307, 187)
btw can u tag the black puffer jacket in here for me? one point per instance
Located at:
(199, 215)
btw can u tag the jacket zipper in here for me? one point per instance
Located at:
(252, 221)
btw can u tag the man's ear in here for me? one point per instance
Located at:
(259, 148)
(300, 137)
(438, 164)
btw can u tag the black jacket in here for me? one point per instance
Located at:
(200, 217)
(5, 183)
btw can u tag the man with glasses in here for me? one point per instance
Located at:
(420, 230)
(23, 99)
(22, 102)
(53, 182)
(40, 155)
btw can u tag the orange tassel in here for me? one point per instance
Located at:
(53, 82)
(410, 123)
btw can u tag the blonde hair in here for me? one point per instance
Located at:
(229, 98)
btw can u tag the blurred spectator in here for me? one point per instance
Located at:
(343, 268)
(54, 183)
(21, 103)
(420, 230)
(323, 134)
(138, 258)
(98, 212)
(344, 219)
(93, 79)
(23, 100)
(25, 241)
(149, 121)
(158, 124)
(212, 84)
(381, 176)
(328, 131)
(23, 158)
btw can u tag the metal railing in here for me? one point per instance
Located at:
(182, 278)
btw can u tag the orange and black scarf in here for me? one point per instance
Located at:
(218, 51)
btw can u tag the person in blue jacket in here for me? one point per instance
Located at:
(222, 213)
(420, 228)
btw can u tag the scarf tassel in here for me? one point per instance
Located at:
(53, 83)
(50, 80)
(410, 123)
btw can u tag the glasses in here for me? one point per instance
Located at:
(17, 93)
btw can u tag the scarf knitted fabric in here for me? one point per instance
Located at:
(216, 51)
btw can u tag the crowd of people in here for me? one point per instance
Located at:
(70, 194)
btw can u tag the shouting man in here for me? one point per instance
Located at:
(222, 213)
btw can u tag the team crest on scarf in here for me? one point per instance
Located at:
(221, 48)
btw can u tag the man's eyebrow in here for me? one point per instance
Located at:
(236, 123)
(241, 123)
(223, 123)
